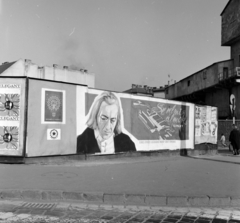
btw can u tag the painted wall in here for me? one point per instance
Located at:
(64, 119)
(150, 123)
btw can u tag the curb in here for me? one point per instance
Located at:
(121, 199)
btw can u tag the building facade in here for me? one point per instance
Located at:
(25, 67)
(218, 84)
(144, 90)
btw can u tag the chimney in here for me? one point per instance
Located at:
(28, 61)
(55, 66)
(41, 72)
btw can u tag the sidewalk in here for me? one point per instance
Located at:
(162, 181)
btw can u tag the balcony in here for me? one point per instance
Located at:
(229, 78)
(229, 74)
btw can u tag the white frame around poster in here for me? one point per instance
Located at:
(43, 106)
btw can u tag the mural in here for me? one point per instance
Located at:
(206, 124)
(153, 120)
(66, 119)
(130, 123)
(9, 116)
(104, 128)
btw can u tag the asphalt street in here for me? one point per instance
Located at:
(215, 176)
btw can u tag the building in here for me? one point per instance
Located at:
(145, 90)
(27, 68)
(218, 84)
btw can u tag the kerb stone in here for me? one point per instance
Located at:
(219, 201)
(114, 198)
(30, 194)
(72, 196)
(11, 194)
(156, 200)
(177, 201)
(199, 201)
(134, 199)
(235, 201)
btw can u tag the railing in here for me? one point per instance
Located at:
(229, 73)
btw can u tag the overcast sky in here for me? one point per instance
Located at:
(124, 42)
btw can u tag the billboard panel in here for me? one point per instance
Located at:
(206, 124)
(12, 116)
(117, 122)
(51, 118)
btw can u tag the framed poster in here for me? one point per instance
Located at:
(53, 106)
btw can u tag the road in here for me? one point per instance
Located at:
(178, 176)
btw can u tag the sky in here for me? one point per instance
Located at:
(123, 42)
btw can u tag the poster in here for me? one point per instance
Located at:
(206, 124)
(9, 117)
(53, 106)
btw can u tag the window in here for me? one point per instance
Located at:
(188, 83)
(225, 72)
(204, 74)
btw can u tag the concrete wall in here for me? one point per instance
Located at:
(219, 98)
(198, 81)
(230, 23)
(56, 73)
(159, 94)
(225, 127)
(235, 53)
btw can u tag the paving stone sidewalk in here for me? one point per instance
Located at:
(25, 211)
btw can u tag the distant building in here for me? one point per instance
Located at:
(159, 92)
(145, 90)
(27, 68)
(218, 84)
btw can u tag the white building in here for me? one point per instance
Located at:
(27, 68)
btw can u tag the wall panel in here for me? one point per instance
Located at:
(51, 127)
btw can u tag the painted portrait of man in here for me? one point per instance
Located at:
(104, 128)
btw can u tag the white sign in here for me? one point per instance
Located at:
(53, 134)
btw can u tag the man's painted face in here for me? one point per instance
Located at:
(107, 119)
